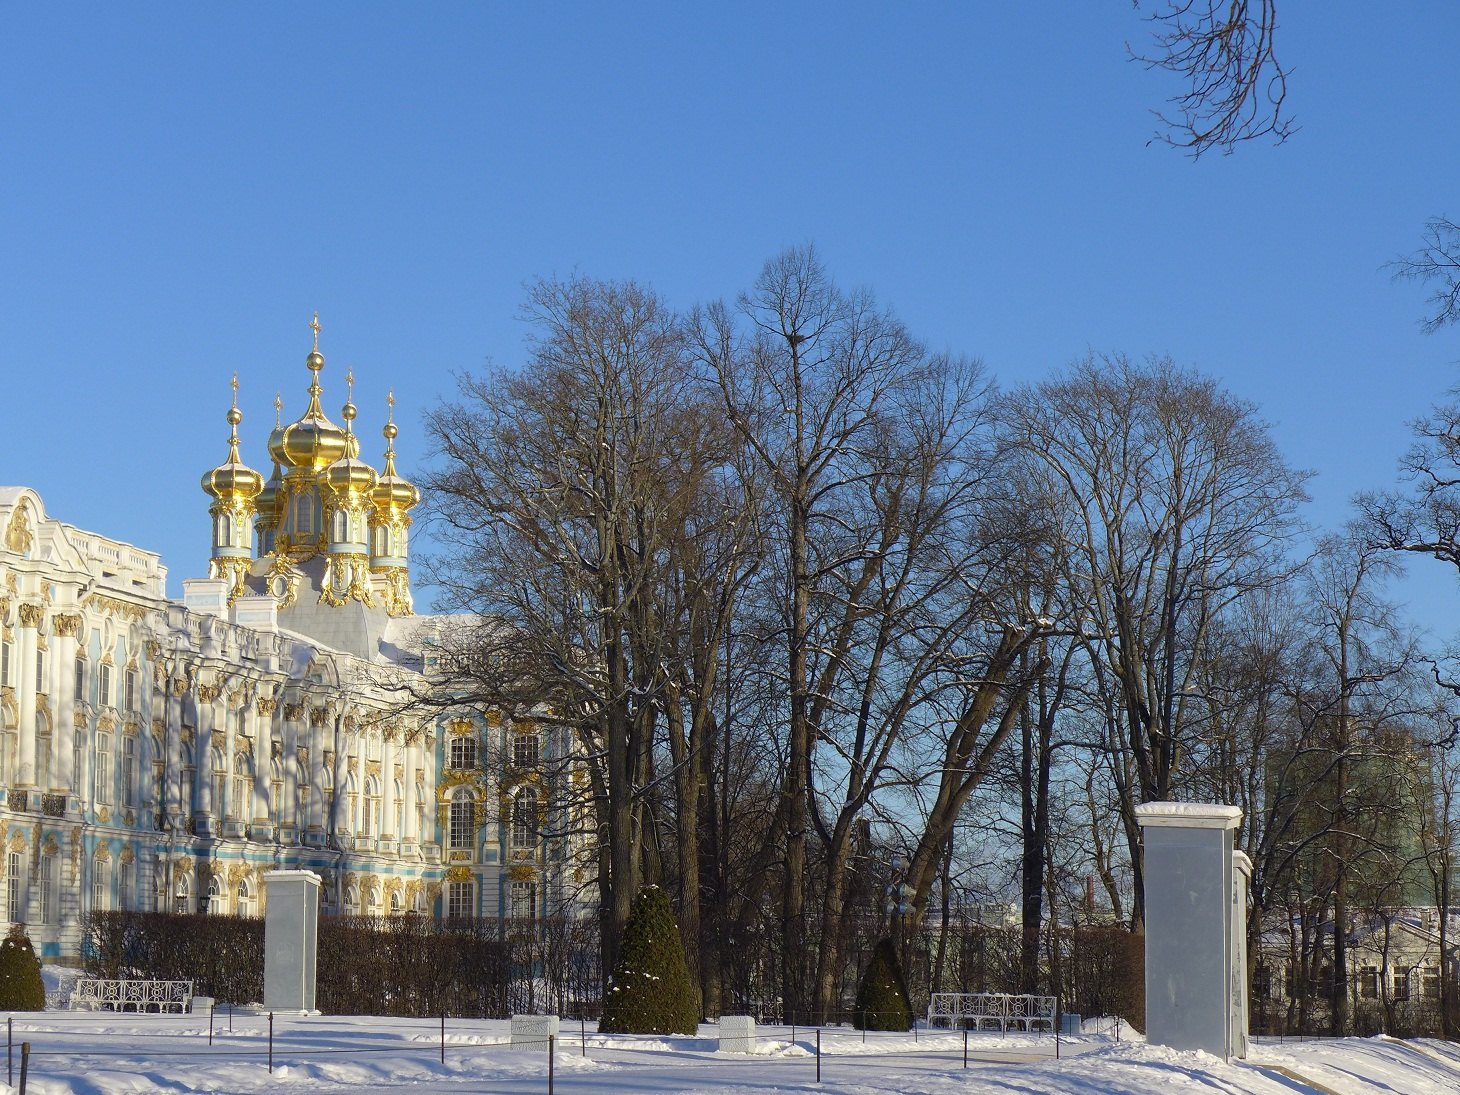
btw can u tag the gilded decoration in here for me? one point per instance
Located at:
(460, 726)
(105, 723)
(180, 686)
(128, 856)
(458, 874)
(302, 753)
(372, 767)
(79, 719)
(187, 734)
(346, 578)
(18, 536)
(31, 615)
(460, 857)
(129, 819)
(522, 874)
(104, 815)
(157, 727)
(396, 594)
(318, 716)
(219, 738)
(50, 847)
(68, 626)
(113, 606)
(350, 723)
(154, 649)
(209, 693)
(103, 853)
(266, 705)
(494, 718)
(293, 712)
(283, 579)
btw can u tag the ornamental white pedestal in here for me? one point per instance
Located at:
(737, 1034)
(1195, 998)
(291, 937)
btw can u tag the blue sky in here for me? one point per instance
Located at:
(181, 186)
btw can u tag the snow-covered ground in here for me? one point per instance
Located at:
(107, 1054)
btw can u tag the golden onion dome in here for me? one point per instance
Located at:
(392, 491)
(233, 479)
(348, 472)
(313, 441)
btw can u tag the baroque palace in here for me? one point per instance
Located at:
(163, 755)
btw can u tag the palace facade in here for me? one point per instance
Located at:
(157, 754)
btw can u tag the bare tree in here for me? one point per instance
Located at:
(1174, 503)
(571, 497)
(1236, 89)
(1435, 264)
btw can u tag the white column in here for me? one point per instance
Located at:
(1188, 877)
(408, 786)
(388, 753)
(30, 621)
(63, 733)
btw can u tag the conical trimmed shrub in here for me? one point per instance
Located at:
(650, 991)
(882, 1001)
(21, 988)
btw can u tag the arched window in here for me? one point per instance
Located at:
(524, 818)
(421, 833)
(400, 809)
(342, 526)
(220, 783)
(129, 770)
(103, 768)
(524, 900)
(462, 828)
(126, 882)
(276, 790)
(369, 908)
(245, 898)
(182, 895)
(394, 902)
(370, 809)
(242, 786)
(215, 896)
(101, 884)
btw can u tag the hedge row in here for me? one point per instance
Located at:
(405, 965)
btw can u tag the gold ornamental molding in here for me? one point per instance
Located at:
(318, 716)
(209, 693)
(154, 649)
(522, 874)
(458, 874)
(266, 705)
(293, 712)
(113, 606)
(31, 615)
(68, 625)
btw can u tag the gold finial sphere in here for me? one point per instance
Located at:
(235, 416)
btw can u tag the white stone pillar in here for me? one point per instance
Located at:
(408, 788)
(291, 926)
(388, 754)
(63, 735)
(1188, 877)
(31, 617)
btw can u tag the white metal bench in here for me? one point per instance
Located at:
(991, 1011)
(97, 993)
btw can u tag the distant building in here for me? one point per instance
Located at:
(164, 755)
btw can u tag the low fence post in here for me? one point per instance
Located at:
(552, 1041)
(10, 1049)
(211, 1012)
(271, 1043)
(965, 1047)
(818, 1055)
(583, 1032)
(443, 1037)
(24, 1064)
